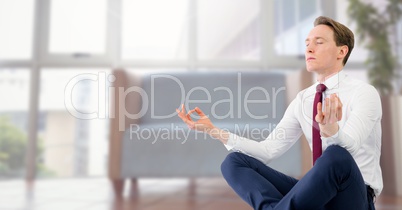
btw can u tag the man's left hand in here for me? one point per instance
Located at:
(328, 119)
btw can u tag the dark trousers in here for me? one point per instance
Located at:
(335, 182)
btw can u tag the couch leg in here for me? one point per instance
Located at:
(134, 191)
(118, 187)
(192, 187)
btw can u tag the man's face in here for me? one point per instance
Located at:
(322, 54)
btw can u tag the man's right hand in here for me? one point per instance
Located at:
(203, 124)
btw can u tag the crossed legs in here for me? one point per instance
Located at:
(335, 182)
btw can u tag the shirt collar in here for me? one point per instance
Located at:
(334, 80)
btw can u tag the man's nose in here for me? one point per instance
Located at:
(309, 49)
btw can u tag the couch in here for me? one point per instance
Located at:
(147, 139)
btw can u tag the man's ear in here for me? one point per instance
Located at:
(343, 51)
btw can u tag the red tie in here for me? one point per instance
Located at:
(317, 146)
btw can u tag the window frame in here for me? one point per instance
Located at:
(42, 59)
(112, 56)
(48, 59)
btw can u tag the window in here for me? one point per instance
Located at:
(14, 95)
(74, 103)
(148, 36)
(228, 30)
(16, 35)
(155, 29)
(75, 30)
(359, 53)
(293, 21)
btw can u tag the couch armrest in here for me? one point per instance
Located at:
(121, 103)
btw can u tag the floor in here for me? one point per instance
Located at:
(154, 194)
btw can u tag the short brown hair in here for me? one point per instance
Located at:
(342, 34)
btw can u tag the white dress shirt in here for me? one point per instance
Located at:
(359, 130)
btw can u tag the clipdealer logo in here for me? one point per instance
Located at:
(189, 96)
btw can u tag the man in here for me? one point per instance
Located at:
(345, 126)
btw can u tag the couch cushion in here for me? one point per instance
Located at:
(166, 151)
(246, 97)
(249, 104)
(173, 150)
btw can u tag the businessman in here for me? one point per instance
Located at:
(341, 119)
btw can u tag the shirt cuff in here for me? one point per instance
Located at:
(232, 141)
(332, 140)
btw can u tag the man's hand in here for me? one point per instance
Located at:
(328, 120)
(204, 124)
